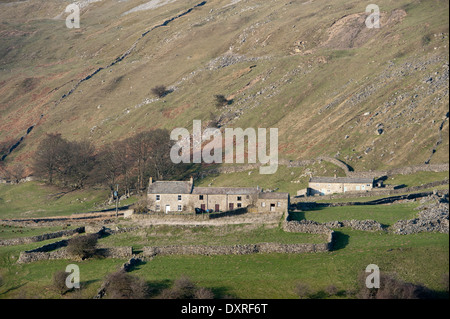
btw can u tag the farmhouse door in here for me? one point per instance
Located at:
(272, 207)
(203, 206)
(217, 208)
(231, 206)
(167, 208)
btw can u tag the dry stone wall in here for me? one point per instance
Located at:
(234, 249)
(291, 226)
(33, 239)
(110, 252)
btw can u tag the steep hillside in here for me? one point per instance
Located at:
(373, 98)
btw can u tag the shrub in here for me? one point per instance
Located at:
(391, 287)
(203, 293)
(120, 285)
(302, 290)
(331, 290)
(185, 288)
(160, 91)
(141, 206)
(83, 246)
(59, 282)
(221, 100)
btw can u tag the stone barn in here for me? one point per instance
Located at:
(332, 185)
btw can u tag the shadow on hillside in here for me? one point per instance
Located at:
(340, 240)
(85, 284)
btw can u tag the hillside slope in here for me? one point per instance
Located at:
(373, 98)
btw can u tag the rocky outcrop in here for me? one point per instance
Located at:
(432, 217)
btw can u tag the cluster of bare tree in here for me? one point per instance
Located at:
(63, 162)
(129, 162)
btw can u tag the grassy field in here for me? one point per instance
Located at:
(162, 235)
(420, 258)
(384, 214)
(416, 179)
(34, 199)
(7, 231)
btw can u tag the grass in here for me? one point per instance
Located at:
(384, 214)
(416, 179)
(418, 258)
(290, 100)
(162, 235)
(34, 199)
(7, 231)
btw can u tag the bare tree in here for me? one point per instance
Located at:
(120, 285)
(16, 172)
(141, 146)
(160, 164)
(47, 157)
(82, 162)
(83, 246)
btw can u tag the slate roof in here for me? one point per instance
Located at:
(331, 180)
(273, 195)
(169, 187)
(225, 190)
(179, 187)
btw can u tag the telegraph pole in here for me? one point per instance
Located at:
(116, 194)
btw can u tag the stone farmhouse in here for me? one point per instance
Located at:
(183, 196)
(332, 185)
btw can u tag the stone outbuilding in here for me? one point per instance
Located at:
(332, 185)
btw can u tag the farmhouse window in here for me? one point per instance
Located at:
(180, 208)
(158, 208)
(239, 205)
(263, 204)
(239, 198)
(278, 204)
(200, 197)
(179, 197)
(158, 197)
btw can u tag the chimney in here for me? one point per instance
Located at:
(335, 176)
(150, 181)
(192, 180)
